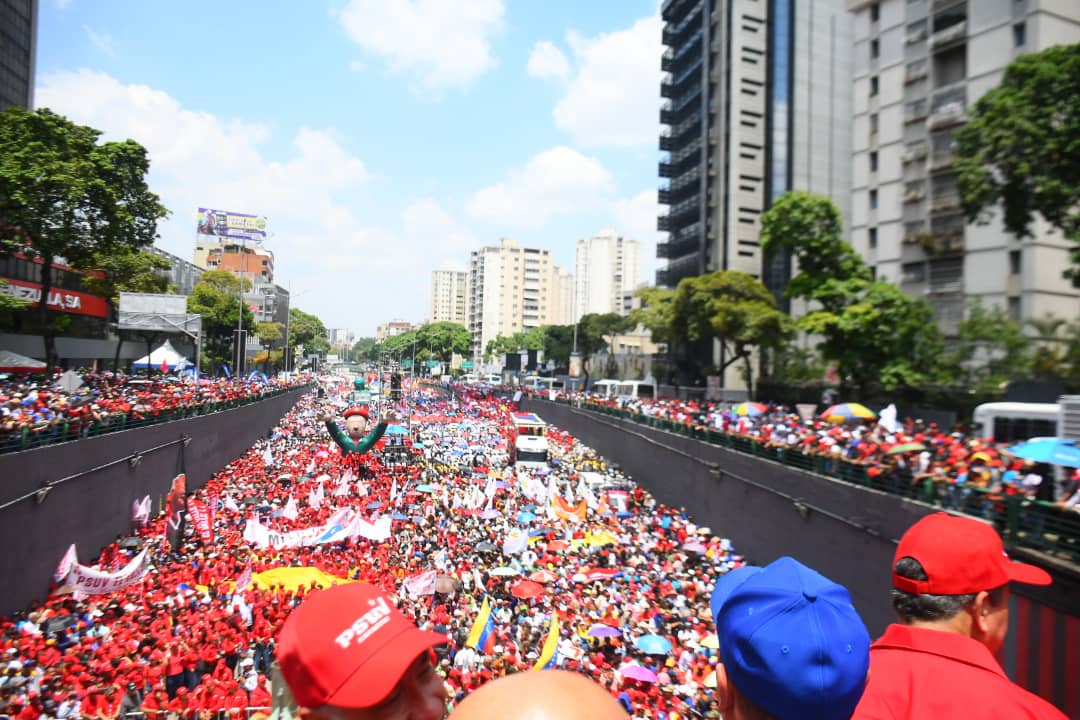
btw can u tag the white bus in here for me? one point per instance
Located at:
(605, 388)
(1010, 422)
(634, 389)
(542, 384)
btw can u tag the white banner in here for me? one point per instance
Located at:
(422, 584)
(341, 528)
(95, 582)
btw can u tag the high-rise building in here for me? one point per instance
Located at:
(449, 296)
(606, 267)
(392, 328)
(18, 52)
(918, 68)
(509, 292)
(183, 276)
(249, 260)
(561, 307)
(758, 103)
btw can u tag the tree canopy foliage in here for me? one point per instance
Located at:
(1021, 148)
(64, 194)
(217, 298)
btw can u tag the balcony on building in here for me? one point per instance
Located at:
(914, 154)
(666, 141)
(662, 274)
(949, 108)
(667, 88)
(957, 32)
(663, 194)
(664, 169)
(945, 201)
(667, 60)
(667, 114)
(662, 223)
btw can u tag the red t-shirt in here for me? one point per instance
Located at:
(922, 673)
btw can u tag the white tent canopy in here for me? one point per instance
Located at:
(167, 354)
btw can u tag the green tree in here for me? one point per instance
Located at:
(1021, 148)
(64, 194)
(809, 227)
(1050, 348)
(9, 304)
(558, 343)
(217, 298)
(365, 349)
(268, 334)
(734, 308)
(443, 339)
(990, 349)
(107, 274)
(307, 330)
(594, 336)
(880, 335)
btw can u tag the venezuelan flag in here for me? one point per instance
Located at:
(551, 645)
(483, 629)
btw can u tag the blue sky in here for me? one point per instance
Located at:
(383, 139)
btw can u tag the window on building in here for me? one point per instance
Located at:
(874, 86)
(873, 124)
(875, 49)
(873, 161)
(1014, 262)
(871, 236)
(1014, 309)
(1019, 34)
(875, 12)
(873, 200)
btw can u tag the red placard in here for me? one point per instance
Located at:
(70, 301)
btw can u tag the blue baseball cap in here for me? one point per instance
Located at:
(791, 641)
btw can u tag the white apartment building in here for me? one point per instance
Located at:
(449, 296)
(919, 66)
(562, 297)
(606, 267)
(510, 291)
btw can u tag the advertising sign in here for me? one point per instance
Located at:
(223, 223)
(70, 301)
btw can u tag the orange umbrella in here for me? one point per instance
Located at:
(543, 576)
(527, 590)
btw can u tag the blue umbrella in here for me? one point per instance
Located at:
(373, 505)
(424, 488)
(398, 516)
(525, 516)
(653, 645)
(396, 430)
(1056, 451)
(490, 514)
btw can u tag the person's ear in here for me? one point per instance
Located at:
(981, 610)
(724, 696)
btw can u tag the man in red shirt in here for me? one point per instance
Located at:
(951, 592)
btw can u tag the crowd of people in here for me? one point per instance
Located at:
(453, 570)
(902, 458)
(35, 410)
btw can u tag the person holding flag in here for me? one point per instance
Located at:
(482, 634)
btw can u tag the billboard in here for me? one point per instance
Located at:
(226, 224)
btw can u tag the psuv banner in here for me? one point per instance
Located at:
(88, 581)
(200, 515)
(332, 532)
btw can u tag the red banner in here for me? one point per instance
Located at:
(200, 515)
(70, 301)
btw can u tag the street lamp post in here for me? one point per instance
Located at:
(240, 319)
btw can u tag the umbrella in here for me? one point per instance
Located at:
(695, 547)
(486, 547)
(70, 381)
(525, 516)
(543, 576)
(1056, 451)
(424, 488)
(845, 412)
(373, 505)
(710, 641)
(558, 545)
(398, 516)
(637, 672)
(447, 585)
(653, 645)
(490, 514)
(527, 590)
(751, 409)
(710, 680)
(504, 571)
(396, 430)
(905, 448)
(130, 543)
(598, 631)
(59, 624)
(14, 362)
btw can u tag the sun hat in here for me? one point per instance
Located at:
(960, 556)
(348, 646)
(791, 641)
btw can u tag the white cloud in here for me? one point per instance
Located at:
(559, 181)
(103, 42)
(547, 61)
(342, 269)
(445, 43)
(614, 97)
(636, 217)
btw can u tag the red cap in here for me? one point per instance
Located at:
(362, 411)
(348, 646)
(960, 556)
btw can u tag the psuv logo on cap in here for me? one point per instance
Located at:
(367, 624)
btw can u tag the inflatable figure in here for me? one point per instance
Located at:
(356, 423)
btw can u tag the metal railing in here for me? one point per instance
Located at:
(53, 433)
(1021, 521)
